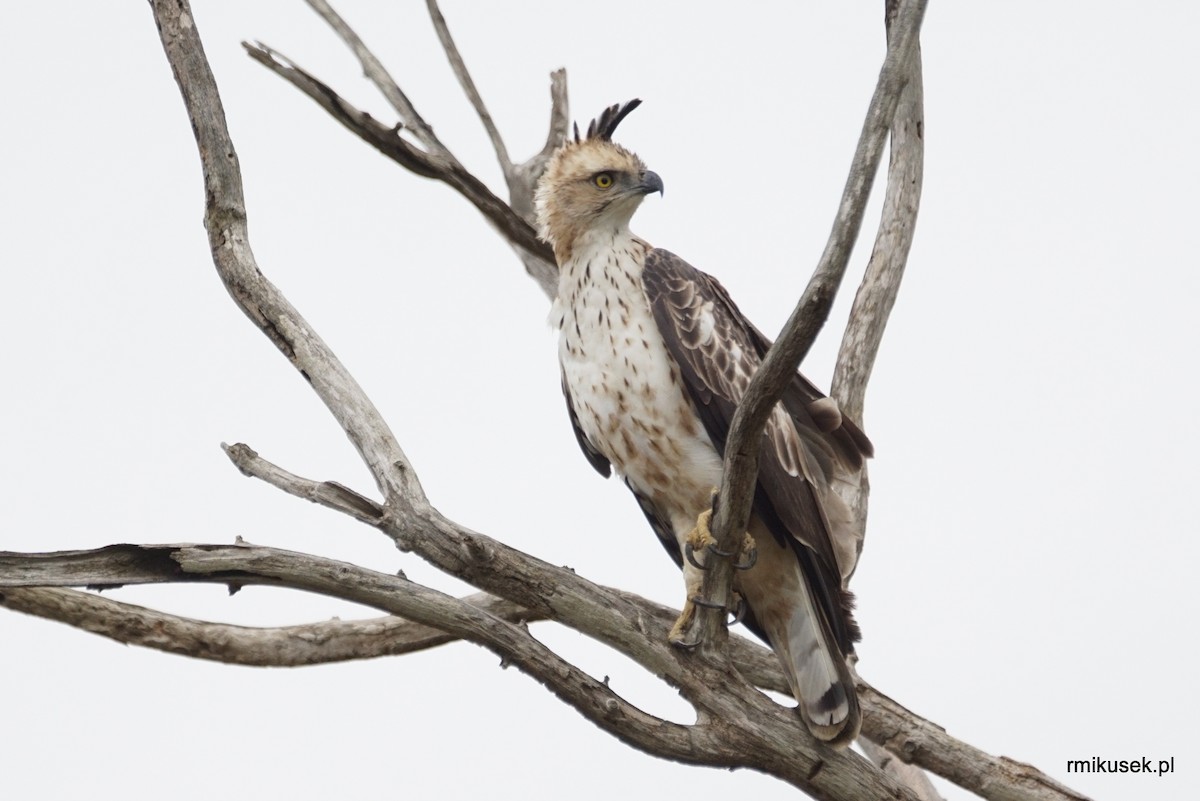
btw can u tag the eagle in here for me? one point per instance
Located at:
(655, 357)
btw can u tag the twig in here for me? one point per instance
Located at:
(375, 72)
(388, 141)
(329, 494)
(468, 86)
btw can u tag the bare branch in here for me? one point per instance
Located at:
(769, 738)
(873, 305)
(910, 775)
(523, 180)
(923, 743)
(910, 737)
(779, 365)
(468, 86)
(329, 494)
(388, 142)
(885, 269)
(375, 72)
(258, 298)
(884, 721)
(285, 646)
(241, 564)
(560, 116)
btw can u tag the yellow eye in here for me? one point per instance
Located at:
(603, 179)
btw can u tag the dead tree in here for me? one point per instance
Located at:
(737, 725)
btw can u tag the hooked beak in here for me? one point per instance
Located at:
(650, 183)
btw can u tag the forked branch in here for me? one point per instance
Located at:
(31, 583)
(732, 512)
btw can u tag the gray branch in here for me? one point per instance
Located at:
(388, 141)
(377, 74)
(743, 727)
(514, 220)
(240, 565)
(486, 621)
(286, 646)
(468, 86)
(732, 511)
(885, 269)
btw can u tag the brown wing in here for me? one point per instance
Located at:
(807, 446)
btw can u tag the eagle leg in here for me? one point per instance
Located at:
(678, 636)
(701, 538)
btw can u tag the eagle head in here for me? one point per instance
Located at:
(590, 184)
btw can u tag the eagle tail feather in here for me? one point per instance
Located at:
(818, 675)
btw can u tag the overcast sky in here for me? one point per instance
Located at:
(1027, 576)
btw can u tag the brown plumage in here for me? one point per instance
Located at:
(655, 357)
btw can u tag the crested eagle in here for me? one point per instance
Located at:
(655, 357)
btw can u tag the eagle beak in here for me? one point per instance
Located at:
(650, 183)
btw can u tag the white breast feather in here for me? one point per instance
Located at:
(618, 372)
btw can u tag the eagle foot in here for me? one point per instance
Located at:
(748, 551)
(678, 635)
(738, 611)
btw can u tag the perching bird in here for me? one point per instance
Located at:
(655, 357)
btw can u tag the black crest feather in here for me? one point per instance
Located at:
(603, 126)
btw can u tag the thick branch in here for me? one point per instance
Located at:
(732, 513)
(885, 722)
(926, 744)
(258, 298)
(910, 737)
(240, 564)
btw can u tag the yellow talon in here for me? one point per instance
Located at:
(701, 536)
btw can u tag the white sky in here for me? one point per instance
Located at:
(1030, 550)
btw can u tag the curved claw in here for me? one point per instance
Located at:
(707, 604)
(689, 553)
(751, 558)
(739, 611)
(685, 645)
